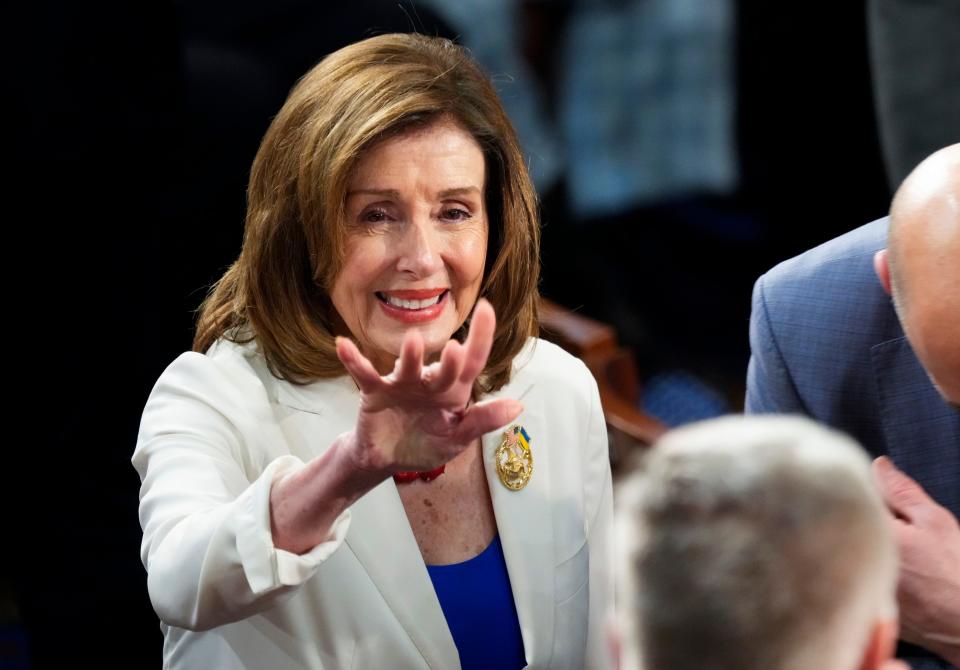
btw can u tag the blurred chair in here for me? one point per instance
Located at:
(615, 370)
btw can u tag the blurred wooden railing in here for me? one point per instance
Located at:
(614, 368)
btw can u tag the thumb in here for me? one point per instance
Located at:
(488, 416)
(905, 497)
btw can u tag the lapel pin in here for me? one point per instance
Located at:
(514, 458)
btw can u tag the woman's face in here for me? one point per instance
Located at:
(416, 240)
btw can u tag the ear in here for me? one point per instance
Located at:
(880, 645)
(881, 266)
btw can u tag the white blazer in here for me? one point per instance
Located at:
(219, 428)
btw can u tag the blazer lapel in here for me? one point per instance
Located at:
(381, 539)
(379, 536)
(524, 522)
(921, 430)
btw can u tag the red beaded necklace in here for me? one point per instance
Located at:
(407, 477)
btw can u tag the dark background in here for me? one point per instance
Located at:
(133, 129)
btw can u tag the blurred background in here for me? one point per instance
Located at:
(680, 148)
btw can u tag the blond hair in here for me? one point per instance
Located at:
(277, 291)
(753, 542)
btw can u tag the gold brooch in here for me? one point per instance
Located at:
(514, 458)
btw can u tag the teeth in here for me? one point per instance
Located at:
(413, 304)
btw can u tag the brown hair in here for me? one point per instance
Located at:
(277, 291)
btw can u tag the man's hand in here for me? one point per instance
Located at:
(928, 539)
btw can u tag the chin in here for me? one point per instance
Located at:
(434, 338)
(433, 344)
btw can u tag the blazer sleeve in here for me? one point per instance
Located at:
(206, 470)
(599, 507)
(770, 387)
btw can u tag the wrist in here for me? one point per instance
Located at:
(357, 468)
(305, 503)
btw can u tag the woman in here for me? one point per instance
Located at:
(355, 472)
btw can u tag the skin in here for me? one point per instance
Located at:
(415, 221)
(928, 541)
(921, 270)
(924, 265)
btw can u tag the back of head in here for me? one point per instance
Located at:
(924, 258)
(753, 543)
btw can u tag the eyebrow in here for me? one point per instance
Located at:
(395, 194)
(462, 190)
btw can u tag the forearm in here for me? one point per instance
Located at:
(208, 565)
(305, 503)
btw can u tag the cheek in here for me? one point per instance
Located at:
(944, 361)
(354, 282)
(471, 254)
(933, 333)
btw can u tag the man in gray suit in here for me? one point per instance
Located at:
(828, 341)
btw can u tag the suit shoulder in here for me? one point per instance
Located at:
(849, 254)
(227, 374)
(818, 315)
(831, 288)
(542, 361)
(223, 358)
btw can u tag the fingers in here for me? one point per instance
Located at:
(905, 498)
(479, 341)
(410, 363)
(441, 376)
(357, 365)
(487, 416)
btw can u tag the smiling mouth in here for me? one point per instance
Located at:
(413, 300)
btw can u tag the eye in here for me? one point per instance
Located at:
(374, 216)
(456, 214)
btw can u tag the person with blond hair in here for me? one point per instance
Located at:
(757, 543)
(369, 459)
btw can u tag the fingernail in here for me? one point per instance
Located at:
(883, 466)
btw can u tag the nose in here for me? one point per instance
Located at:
(419, 249)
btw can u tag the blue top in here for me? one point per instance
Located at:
(478, 604)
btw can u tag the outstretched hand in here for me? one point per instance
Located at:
(420, 417)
